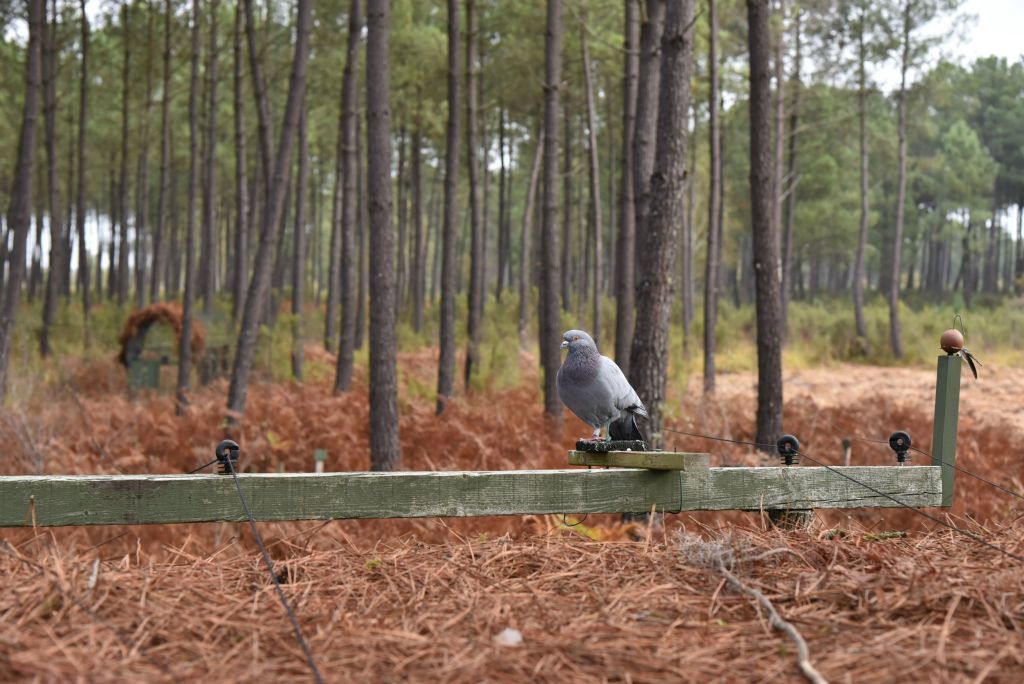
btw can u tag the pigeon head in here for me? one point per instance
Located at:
(578, 340)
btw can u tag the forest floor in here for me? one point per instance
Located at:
(879, 595)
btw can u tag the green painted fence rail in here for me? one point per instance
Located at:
(156, 499)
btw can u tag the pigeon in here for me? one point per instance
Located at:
(595, 389)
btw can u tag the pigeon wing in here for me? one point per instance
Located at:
(623, 394)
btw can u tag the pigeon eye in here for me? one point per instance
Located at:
(575, 338)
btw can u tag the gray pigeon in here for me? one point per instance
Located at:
(595, 389)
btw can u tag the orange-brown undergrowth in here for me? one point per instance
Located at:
(422, 600)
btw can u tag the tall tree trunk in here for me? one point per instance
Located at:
(477, 290)
(385, 446)
(643, 149)
(862, 235)
(142, 186)
(567, 181)
(349, 219)
(550, 267)
(334, 254)
(791, 175)
(402, 197)
(122, 191)
(595, 186)
(895, 335)
(778, 179)
(649, 360)
(712, 264)
(271, 218)
(524, 239)
(185, 338)
(173, 272)
(299, 243)
(364, 219)
(503, 227)
(446, 365)
(1018, 271)
(208, 250)
(241, 257)
(766, 246)
(419, 258)
(159, 249)
(20, 215)
(625, 259)
(57, 242)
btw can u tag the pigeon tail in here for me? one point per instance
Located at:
(625, 428)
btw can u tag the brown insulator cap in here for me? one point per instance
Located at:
(951, 341)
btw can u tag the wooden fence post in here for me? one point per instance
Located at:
(947, 411)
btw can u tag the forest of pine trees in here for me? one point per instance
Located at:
(632, 166)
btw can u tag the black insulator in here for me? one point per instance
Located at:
(227, 451)
(789, 449)
(900, 442)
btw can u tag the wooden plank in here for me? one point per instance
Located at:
(652, 460)
(145, 499)
(944, 427)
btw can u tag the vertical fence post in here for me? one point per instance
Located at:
(947, 410)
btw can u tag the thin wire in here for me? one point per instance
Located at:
(578, 522)
(191, 472)
(720, 439)
(273, 576)
(967, 533)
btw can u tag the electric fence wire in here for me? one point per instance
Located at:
(967, 533)
(273, 576)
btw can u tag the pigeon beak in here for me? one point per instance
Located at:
(564, 345)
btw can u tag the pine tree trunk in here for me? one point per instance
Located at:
(625, 243)
(402, 196)
(862, 235)
(649, 361)
(419, 257)
(334, 254)
(347, 223)
(385, 446)
(895, 334)
(271, 217)
(524, 239)
(765, 245)
(550, 270)
(159, 248)
(241, 256)
(299, 243)
(643, 149)
(567, 199)
(449, 266)
(185, 339)
(208, 248)
(364, 219)
(595, 188)
(791, 174)
(503, 232)
(122, 191)
(712, 276)
(477, 290)
(778, 179)
(57, 241)
(20, 213)
(142, 187)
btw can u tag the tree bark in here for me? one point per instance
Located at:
(346, 286)
(712, 277)
(142, 187)
(524, 239)
(503, 227)
(20, 214)
(550, 266)
(299, 244)
(419, 258)
(385, 446)
(364, 216)
(657, 267)
(208, 249)
(791, 174)
(567, 199)
(271, 217)
(57, 241)
(401, 181)
(778, 179)
(446, 365)
(122, 247)
(895, 334)
(643, 150)
(862, 235)
(595, 187)
(477, 290)
(625, 249)
(334, 248)
(766, 247)
(159, 249)
(185, 339)
(241, 257)
(83, 254)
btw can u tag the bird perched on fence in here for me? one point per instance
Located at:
(595, 389)
(952, 342)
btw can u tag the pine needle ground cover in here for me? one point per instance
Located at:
(877, 595)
